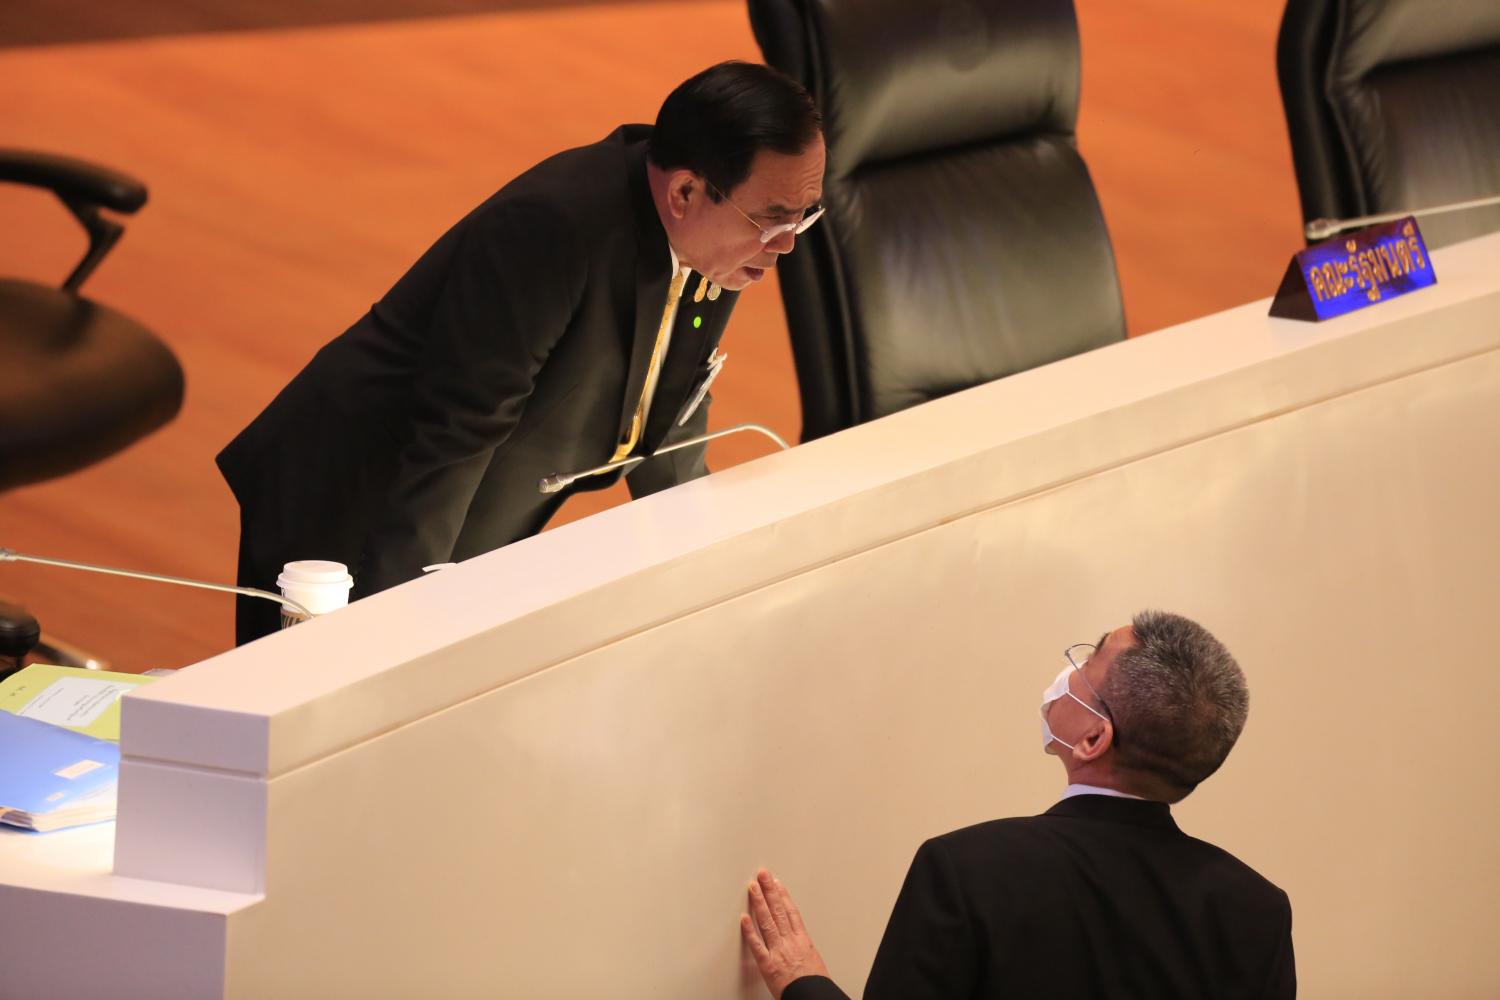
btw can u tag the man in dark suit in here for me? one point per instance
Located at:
(568, 321)
(1100, 896)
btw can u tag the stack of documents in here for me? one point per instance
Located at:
(84, 700)
(51, 777)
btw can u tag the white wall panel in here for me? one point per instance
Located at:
(592, 824)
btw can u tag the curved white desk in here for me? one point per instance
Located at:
(547, 772)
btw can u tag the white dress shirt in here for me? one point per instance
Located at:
(1073, 790)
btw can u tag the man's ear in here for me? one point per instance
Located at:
(1095, 743)
(683, 188)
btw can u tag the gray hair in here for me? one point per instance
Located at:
(1178, 700)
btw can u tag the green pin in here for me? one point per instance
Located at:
(697, 322)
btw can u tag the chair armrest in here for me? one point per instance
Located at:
(84, 188)
(73, 180)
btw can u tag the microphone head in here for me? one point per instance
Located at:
(1321, 229)
(555, 482)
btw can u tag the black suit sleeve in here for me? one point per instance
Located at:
(929, 951)
(813, 988)
(1281, 984)
(512, 285)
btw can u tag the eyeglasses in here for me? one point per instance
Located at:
(769, 233)
(1077, 655)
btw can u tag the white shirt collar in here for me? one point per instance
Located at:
(1073, 790)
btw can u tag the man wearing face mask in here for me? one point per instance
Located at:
(1102, 895)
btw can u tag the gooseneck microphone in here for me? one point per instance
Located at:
(1321, 229)
(11, 555)
(561, 480)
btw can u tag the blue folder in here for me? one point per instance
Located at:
(48, 772)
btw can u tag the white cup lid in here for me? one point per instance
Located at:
(318, 585)
(314, 572)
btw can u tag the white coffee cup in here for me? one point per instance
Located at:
(318, 585)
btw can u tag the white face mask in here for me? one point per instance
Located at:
(1059, 689)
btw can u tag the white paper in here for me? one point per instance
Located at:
(74, 701)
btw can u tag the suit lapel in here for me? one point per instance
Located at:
(692, 343)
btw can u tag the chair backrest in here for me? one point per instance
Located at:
(1394, 105)
(963, 240)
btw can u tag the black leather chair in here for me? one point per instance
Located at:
(1394, 105)
(78, 380)
(963, 240)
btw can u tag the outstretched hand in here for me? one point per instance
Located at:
(778, 942)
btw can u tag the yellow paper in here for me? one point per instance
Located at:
(86, 701)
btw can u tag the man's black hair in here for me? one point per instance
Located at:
(714, 123)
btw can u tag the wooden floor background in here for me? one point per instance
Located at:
(295, 173)
(53, 22)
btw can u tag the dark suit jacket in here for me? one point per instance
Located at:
(1098, 897)
(514, 348)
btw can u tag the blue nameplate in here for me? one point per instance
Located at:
(1355, 270)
